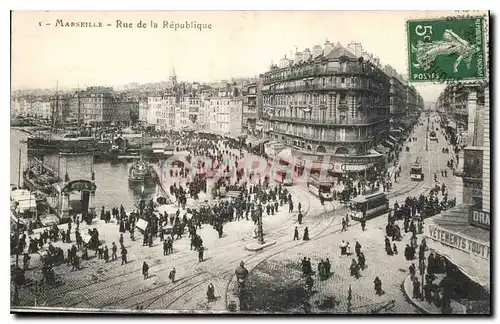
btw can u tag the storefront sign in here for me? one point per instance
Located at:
(352, 167)
(479, 218)
(457, 241)
(473, 185)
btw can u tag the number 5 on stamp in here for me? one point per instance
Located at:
(447, 49)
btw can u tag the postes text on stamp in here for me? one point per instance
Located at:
(447, 49)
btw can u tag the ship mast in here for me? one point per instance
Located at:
(92, 174)
(78, 96)
(55, 110)
(19, 169)
(142, 143)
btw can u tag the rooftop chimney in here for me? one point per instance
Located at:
(358, 50)
(298, 57)
(283, 62)
(317, 51)
(328, 47)
(307, 54)
(352, 47)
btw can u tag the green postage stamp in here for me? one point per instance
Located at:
(446, 49)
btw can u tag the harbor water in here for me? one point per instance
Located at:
(111, 178)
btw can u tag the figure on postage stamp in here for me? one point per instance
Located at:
(426, 52)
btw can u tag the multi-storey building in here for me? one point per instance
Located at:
(225, 114)
(189, 110)
(250, 99)
(162, 111)
(21, 105)
(124, 111)
(95, 104)
(413, 99)
(143, 109)
(204, 114)
(40, 107)
(397, 93)
(459, 103)
(330, 103)
(236, 116)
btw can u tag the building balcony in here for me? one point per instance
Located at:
(249, 111)
(292, 75)
(249, 106)
(320, 87)
(324, 122)
(250, 114)
(326, 139)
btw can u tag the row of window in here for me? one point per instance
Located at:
(326, 99)
(329, 81)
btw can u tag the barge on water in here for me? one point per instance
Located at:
(66, 144)
(142, 173)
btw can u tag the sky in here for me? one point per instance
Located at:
(238, 44)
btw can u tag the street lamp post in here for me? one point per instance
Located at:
(241, 274)
(422, 272)
(349, 298)
(427, 135)
(260, 229)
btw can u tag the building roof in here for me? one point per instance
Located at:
(339, 51)
(456, 220)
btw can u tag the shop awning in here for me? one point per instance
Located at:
(468, 247)
(256, 141)
(388, 144)
(382, 149)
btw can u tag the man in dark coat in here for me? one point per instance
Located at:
(106, 254)
(200, 253)
(296, 234)
(357, 248)
(124, 256)
(145, 270)
(363, 224)
(407, 252)
(165, 247)
(306, 234)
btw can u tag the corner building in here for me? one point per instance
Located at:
(328, 105)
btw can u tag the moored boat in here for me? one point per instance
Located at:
(39, 177)
(141, 173)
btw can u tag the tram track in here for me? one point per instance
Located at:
(246, 260)
(73, 301)
(321, 234)
(233, 243)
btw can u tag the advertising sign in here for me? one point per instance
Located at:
(479, 218)
(458, 241)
